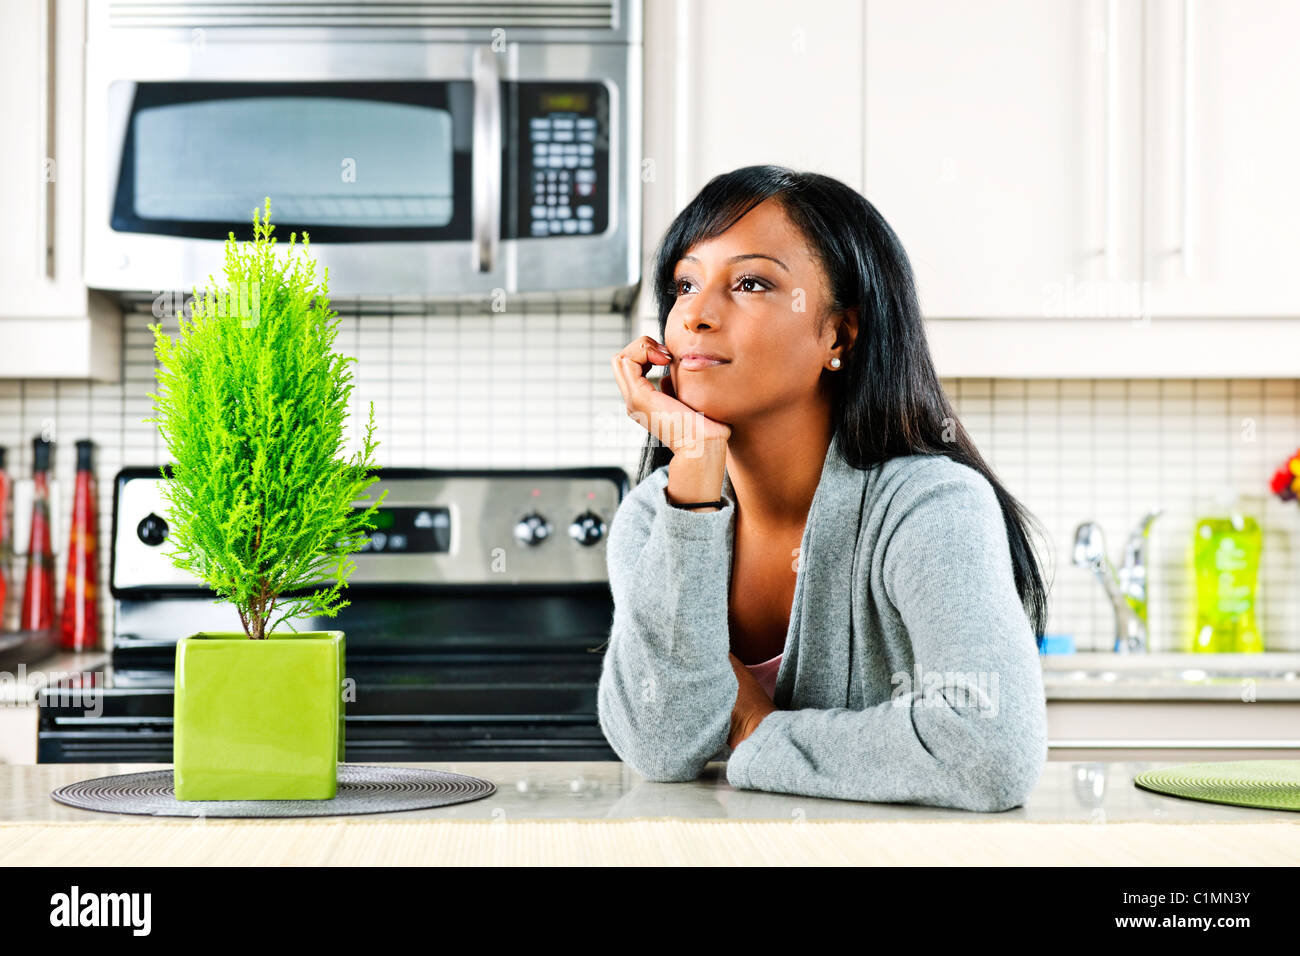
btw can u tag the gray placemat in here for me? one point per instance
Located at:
(362, 789)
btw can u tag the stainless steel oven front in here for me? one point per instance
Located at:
(431, 151)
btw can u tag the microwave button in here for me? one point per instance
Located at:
(588, 135)
(571, 225)
(555, 160)
(562, 122)
(584, 225)
(563, 212)
(586, 161)
(564, 134)
(540, 228)
(539, 212)
(586, 212)
(585, 176)
(555, 225)
(563, 199)
(586, 189)
(570, 160)
(540, 122)
(586, 122)
(586, 149)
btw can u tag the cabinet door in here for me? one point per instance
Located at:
(1223, 158)
(766, 85)
(1002, 144)
(26, 186)
(734, 83)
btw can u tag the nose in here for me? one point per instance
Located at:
(697, 311)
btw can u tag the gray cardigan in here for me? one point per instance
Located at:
(910, 672)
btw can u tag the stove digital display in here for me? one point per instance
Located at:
(409, 531)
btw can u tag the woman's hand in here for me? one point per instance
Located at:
(659, 411)
(752, 704)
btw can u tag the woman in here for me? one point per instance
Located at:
(816, 576)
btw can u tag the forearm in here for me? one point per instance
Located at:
(697, 475)
(666, 687)
(914, 749)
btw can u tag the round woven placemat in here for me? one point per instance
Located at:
(1267, 784)
(362, 789)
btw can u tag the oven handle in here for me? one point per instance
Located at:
(487, 160)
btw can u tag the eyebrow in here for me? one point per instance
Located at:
(742, 257)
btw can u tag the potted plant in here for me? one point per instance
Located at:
(251, 403)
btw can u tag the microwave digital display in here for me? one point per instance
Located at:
(574, 102)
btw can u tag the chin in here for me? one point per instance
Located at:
(708, 400)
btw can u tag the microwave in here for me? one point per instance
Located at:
(432, 152)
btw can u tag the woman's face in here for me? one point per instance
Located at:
(752, 297)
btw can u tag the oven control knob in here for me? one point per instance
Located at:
(152, 530)
(587, 528)
(532, 529)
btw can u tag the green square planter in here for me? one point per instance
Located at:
(258, 720)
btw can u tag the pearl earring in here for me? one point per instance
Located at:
(835, 363)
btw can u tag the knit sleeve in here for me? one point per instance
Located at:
(966, 727)
(667, 688)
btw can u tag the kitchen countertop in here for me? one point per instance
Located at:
(1088, 813)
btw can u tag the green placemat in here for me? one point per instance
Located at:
(1268, 784)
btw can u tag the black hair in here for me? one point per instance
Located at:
(886, 399)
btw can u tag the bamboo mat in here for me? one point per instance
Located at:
(654, 842)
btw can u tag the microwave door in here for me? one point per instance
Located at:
(399, 183)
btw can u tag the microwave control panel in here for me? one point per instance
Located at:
(564, 159)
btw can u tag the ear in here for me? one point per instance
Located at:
(847, 330)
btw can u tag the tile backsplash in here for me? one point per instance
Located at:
(535, 390)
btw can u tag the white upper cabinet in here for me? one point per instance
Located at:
(51, 325)
(1002, 146)
(1223, 158)
(733, 83)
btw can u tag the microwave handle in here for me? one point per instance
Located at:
(487, 160)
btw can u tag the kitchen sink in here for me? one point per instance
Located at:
(1173, 671)
(1172, 706)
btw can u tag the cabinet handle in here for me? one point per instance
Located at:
(1112, 95)
(487, 159)
(48, 174)
(1186, 247)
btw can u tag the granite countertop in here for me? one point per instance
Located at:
(1068, 792)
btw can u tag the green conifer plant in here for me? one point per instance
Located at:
(251, 403)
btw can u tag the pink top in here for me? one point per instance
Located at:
(765, 673)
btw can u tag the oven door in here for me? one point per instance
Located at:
(420, 170)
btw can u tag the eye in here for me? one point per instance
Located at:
(763, 286)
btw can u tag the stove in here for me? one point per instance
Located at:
(479, 611)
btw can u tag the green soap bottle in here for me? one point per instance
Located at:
(1226, 550)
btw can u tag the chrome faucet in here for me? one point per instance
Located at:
(1127, 587)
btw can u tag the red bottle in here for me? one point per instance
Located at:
(38, 589)
(80, 625)
(4, 536)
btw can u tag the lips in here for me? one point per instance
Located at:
(694, 361)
